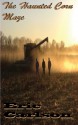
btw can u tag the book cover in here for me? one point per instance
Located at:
(39, 62)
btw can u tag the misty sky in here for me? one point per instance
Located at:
(39, 23)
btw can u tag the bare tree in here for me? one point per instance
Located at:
(53, 44)
(62, 45)
(9, 41)
(37, 40)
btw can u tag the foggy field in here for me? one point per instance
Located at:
(56, 93)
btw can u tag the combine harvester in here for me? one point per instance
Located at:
(31, 51)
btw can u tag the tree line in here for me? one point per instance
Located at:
(16, 43)
(13, 48)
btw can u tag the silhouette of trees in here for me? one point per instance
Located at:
(9, 41)
(53, 46)
(62, 45)
(28, 40)
(37, 40)
(2, 38)
(15, 42)
(14, 47)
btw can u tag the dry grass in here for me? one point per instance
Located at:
(56, 93)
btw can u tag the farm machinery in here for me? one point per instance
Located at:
(31, 51)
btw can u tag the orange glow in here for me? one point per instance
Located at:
(70, 67)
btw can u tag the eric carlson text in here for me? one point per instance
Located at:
(30, 111)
